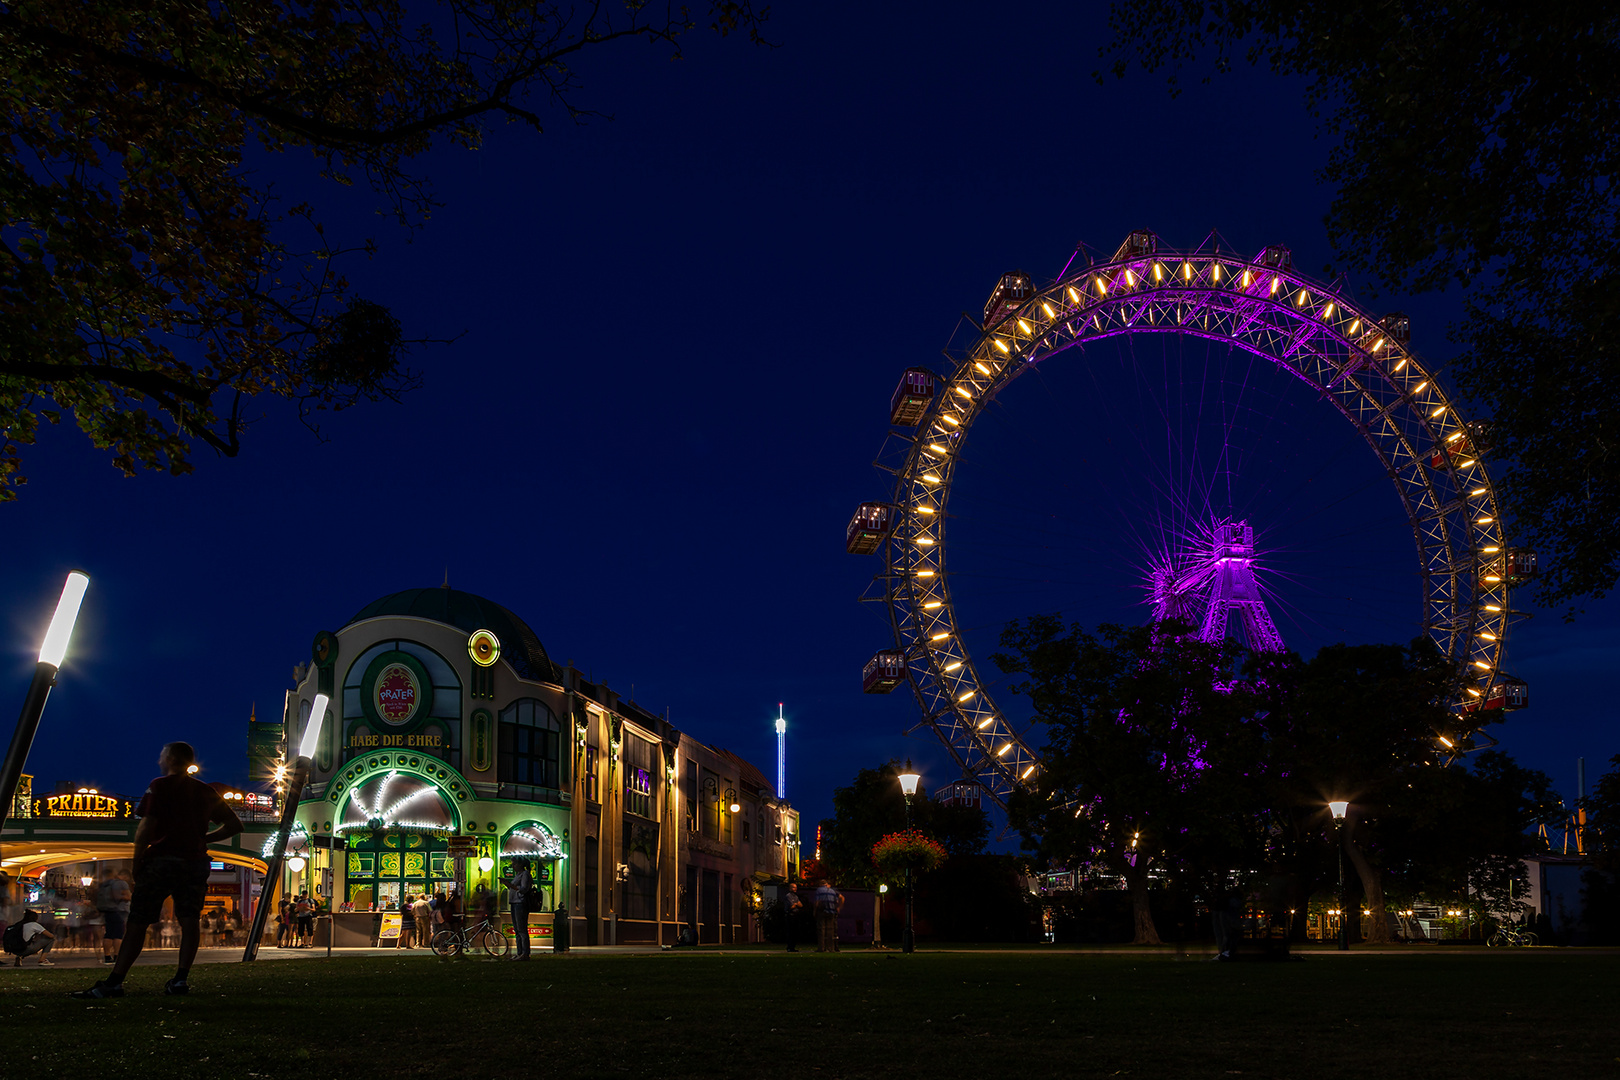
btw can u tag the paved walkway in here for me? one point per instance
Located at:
(166, 957)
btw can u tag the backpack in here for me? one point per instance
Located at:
(13, 939)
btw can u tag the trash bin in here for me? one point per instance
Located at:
(559, 930)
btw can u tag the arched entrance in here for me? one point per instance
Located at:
(535, 842)
(394, 826)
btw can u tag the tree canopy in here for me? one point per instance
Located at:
(1475, 145)
(151, 284)
(1160, 764)
(1147, 756)
(872, 806)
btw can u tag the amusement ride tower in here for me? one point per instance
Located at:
(1216, 581)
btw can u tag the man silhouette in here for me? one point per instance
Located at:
(171, 859)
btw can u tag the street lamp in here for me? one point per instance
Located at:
(1339, 806)
(713, 789)
(51, 652)
(296, 777)
(486, 864)
(908, 785)
(908, 788)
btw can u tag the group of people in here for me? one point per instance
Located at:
(295, 922)
(94, 920)
(828, 903)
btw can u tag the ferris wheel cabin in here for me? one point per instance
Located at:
(1514, 566)
(885, 671)
(1276, 257)
(1506, 693)
(912, 397)
(1010, 294)
(1138, 243)
(1397, 326)
(871, 525)
(1460, 448)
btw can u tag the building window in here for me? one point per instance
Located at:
(638, 793)
(745, 832)
(640, 780)
(530, 745)
(592, 791)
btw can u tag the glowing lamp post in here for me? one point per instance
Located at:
(1339, 806)
(908, 788)
(51, 652)
(297, 777)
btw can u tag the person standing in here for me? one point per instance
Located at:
(519, 890)
(791, 906)
(171, 859)
(304, 912)
(93, 923)
(36, 940)
(441, 912)
(423, 911)
(407, 924)
(828, 901)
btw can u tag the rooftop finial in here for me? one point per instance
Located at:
(446, 584)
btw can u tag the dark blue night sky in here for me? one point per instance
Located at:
(680, 332)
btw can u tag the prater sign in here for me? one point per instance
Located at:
(83, 805)
(398, 694)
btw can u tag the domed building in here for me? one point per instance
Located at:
(448, 719)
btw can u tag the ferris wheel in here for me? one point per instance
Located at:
(1350, 358)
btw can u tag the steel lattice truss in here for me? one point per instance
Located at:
(1337, 348)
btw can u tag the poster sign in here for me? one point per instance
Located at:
(389, 931)
(398, 694)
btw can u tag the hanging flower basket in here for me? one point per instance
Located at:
(908, 850)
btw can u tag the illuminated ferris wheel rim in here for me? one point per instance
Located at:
(1268, 309)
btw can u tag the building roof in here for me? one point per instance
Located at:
(520, 646)
(748, 773)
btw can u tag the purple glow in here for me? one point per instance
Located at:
(1212, 581)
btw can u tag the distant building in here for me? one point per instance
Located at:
(448, 718)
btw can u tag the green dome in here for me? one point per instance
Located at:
(520, 647)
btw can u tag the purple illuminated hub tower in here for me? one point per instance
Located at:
(1206, 586)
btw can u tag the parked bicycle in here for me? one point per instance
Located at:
(484, 935)
(1510, 936)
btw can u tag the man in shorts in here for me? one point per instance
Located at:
(171, 859)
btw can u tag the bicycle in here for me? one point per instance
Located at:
(483, 935)
(1511, 936)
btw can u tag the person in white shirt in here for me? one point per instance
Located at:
(36, 940)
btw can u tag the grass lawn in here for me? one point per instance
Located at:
(855, 1014)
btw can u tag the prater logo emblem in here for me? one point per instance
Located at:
(398, 694)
